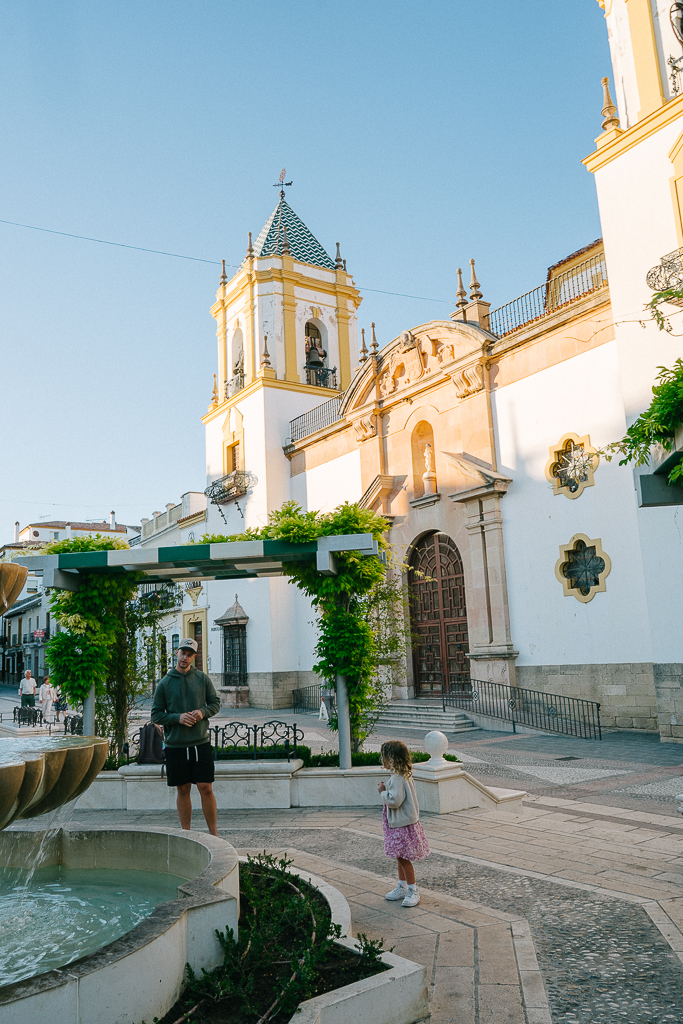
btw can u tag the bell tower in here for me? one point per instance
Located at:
(645, 38)
(289, 300)
(287, 342)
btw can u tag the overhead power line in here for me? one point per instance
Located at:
(181, 256)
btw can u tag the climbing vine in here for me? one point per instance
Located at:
(360, 615)
(101, 626)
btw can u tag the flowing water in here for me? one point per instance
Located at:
(67, 913)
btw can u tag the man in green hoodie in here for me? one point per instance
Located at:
(184, 701)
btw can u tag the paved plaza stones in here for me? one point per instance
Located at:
(571, 912)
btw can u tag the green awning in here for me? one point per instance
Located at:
(251, 559)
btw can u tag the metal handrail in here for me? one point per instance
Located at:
(309, 698)
(557, 292)
(323, 415)
(551, 712)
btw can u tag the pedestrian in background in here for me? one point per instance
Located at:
(47, 696)
(27, 690)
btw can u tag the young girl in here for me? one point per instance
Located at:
(404, 836)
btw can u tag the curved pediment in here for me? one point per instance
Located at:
(415, 355)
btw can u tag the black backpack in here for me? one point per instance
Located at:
(151, 745)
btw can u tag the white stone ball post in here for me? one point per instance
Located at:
(436, 745)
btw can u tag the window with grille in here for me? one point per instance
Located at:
(235, 655)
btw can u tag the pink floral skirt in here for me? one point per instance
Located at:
(408, 842)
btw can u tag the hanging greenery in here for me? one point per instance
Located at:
(101, 627)
(670, 296)
(360, 610)
(657, 425)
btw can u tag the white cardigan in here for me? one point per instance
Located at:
(400, 798)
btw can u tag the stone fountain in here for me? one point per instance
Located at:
(126, 975)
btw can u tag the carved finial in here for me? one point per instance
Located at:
(344, 262)
(224, 276)
(338, 261)
(608, 109)
(214, 393)
(363, 349)
(374, 347)
(461, 292)
(285, 242)
(474, 285)
(250, 249)
(265, 358)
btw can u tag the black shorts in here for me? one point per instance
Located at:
(189, 764)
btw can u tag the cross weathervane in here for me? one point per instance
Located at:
(282, 184)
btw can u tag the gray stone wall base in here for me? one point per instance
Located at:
(273, 690)
(668, 679)
(627, 693)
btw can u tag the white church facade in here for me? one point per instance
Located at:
(478, 437)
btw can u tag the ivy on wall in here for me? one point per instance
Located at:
(360, 610)
(657, 425)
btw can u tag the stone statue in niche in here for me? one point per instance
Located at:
(429, 476)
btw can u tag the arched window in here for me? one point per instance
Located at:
(438, 615)
(235, 365)
(317, 369)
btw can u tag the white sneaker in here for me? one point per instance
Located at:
(396, 894)
(412, 898)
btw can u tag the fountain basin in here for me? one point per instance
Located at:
(139, 975)
(40, 774)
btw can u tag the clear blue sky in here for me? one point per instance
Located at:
(417, 135)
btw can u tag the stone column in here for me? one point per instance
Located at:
(492, 653)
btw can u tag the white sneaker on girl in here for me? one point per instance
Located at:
(412, 897)
(398, 893)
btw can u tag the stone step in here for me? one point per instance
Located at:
(427, 716)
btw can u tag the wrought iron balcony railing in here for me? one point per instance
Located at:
(561, 290)
(669, 273)
(229, 487)
(321, 376)
(322, 416)
(235, 384)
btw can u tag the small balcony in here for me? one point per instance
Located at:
(234, 384)
(321, 376)
(668, 275)
(230, 487)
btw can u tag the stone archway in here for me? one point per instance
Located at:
(438, 614)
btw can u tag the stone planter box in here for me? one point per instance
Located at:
(442, 787)
(397, 996)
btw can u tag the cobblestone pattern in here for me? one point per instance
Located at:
(602, 959)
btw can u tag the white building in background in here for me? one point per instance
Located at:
(25, 628)
(477, 436)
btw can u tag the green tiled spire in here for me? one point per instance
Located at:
(303, 246)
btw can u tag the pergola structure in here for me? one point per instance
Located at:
(251, 559)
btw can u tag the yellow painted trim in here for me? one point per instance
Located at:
(289, 276)
(645, 57)
(602, 586)
(198, 615)
(555, 451)
(265, 382)
(636, 134)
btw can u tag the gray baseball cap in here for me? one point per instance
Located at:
(188, 645)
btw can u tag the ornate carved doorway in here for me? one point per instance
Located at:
(438, 615)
